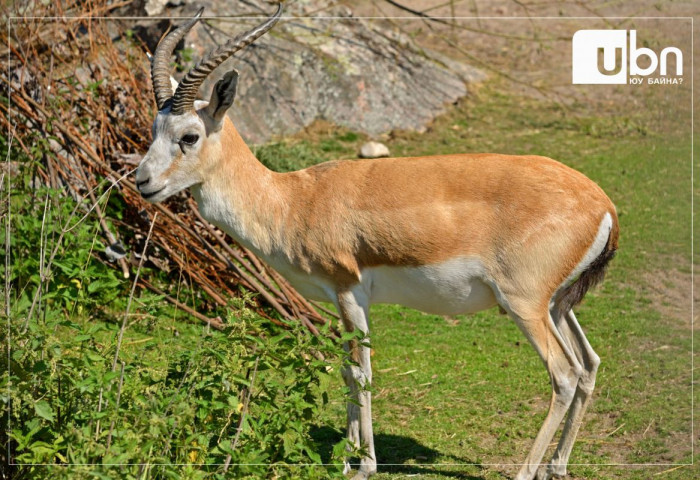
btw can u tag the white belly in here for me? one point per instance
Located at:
(311, 287)
(450, 288)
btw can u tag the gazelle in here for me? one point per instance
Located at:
(445, 234)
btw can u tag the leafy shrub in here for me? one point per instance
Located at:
(69, 407)
(169, 406)
(75, 282)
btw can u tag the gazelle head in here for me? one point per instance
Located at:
(185, 130)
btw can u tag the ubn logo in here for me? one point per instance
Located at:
(589, 45)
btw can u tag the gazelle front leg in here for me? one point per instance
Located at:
(354, 311)
(353, 410)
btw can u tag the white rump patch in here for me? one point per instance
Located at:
(601, 240)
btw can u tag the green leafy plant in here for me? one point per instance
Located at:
(243, 398)
(197, 405)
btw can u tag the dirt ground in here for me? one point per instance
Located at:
(669, 291)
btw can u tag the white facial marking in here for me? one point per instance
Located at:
(170, 165)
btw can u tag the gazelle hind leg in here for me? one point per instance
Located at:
(564, 371)
(573, 334)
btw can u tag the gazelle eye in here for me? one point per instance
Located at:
(189, 139)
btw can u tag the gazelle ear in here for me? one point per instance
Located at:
(222, 97)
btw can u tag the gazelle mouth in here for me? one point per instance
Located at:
(151, 194)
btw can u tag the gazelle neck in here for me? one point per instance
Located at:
(240, 195)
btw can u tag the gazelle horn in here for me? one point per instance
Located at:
(183, 100)
(160, 64)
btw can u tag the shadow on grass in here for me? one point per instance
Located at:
(397, 454)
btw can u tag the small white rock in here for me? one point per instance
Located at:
(155, 7)
(374, 150)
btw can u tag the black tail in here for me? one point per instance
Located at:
(591, 276)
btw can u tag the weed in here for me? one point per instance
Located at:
(80, 390)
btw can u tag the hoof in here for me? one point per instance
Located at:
(549, 473)
(363, 474)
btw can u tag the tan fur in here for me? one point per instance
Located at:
(529, 218)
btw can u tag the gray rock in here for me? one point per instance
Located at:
(83, 76)
(374, 150)
(154, 7)
(352, 72)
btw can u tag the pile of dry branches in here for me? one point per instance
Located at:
(80, 86)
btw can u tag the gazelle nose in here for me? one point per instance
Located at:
(141, 183)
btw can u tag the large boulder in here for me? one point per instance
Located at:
(320, 62)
